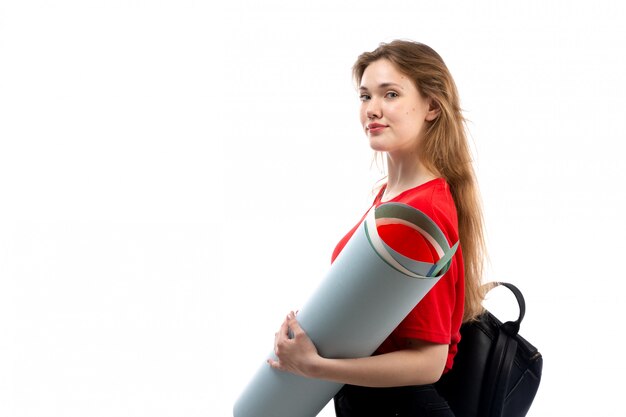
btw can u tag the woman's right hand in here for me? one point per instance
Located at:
(298, 354)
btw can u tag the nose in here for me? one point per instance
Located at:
(373, 109)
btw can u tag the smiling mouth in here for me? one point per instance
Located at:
(373, 128)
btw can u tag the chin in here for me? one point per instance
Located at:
(377, 146)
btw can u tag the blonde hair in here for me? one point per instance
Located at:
(444, 150)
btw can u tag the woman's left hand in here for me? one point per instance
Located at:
(297, 355)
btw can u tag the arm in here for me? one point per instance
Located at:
(420, 363)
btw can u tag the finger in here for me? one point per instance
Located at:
(281, 336)
(274, 364)
(294, 325)
(276, 336)
(284, 328)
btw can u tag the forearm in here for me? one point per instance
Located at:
(420, 363)
(403, 367)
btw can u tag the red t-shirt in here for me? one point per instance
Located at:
(438, 316)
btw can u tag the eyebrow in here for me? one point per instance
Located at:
(382, 86)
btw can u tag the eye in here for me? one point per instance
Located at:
(392, 94)
(364, 97)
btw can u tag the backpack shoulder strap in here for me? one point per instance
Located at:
(497, 376)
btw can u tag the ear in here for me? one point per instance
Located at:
(433, 110)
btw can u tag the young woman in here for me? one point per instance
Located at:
(410, 112)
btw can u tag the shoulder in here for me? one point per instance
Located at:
(431, 197)
(434, 199)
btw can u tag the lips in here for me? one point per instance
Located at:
(375, 127)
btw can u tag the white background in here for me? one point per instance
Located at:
(175, 174)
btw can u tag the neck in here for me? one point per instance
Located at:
(405, 173)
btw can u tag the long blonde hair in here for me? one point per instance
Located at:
(444, 150)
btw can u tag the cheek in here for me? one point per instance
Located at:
(362, 114)
(413, 116)
(400, 116)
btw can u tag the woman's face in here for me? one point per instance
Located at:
(393, 112)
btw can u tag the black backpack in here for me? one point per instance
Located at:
(496, 372)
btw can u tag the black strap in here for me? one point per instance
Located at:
(512, 327)
(497, 375)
